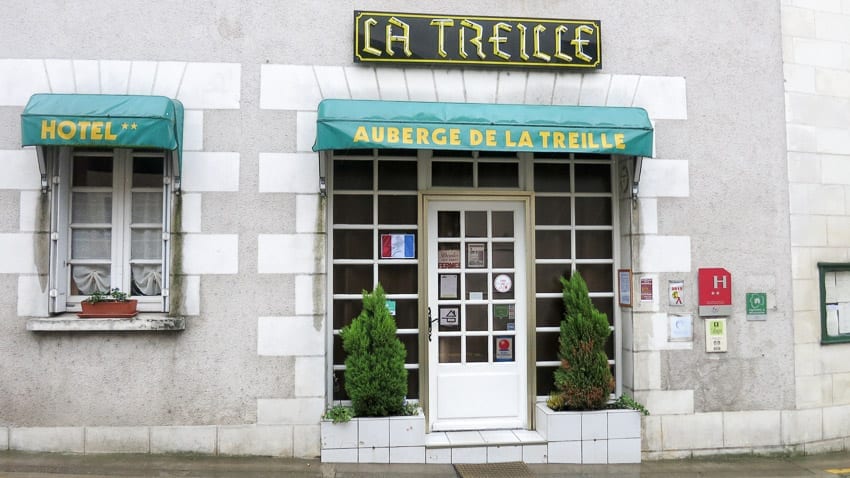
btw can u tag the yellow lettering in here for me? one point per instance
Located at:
(475, 137)
(490, 137)
(422, 136)
(48, 128)
(404, 38)
(107, 132)
(377, 134)
(476, 40)
(525, 140)
(454, 136)
(97, 130)
(367, 37)
(441, 24)
(558, 140)
(361, 135)
(620, 140)
(523, 53)
(537, 53)
(605, 143)
(573, 140)
(578, 43)
(584, 140)
(407, 135)
(544, 137)
(590, 142)
(497, 40)
(438, 136)
(559, 53)
(84, 127)
(392, 134)
(67, 129)
(508, 140)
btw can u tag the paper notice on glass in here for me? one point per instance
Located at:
(844, 317)
(832, 319)
(448, 286)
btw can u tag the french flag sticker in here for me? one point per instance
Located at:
(397, 246)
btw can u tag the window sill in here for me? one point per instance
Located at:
(141, 323)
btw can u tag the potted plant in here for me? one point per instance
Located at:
(112, 304)
(380, 426)
(577, 420)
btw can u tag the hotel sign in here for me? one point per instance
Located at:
(421, 39)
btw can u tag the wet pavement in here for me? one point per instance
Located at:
(50, 465)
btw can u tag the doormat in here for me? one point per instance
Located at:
(514, 469)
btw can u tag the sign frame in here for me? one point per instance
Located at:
(624, 287)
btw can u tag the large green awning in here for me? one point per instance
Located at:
(113, 121)
(358, 124)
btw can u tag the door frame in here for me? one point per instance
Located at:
(526, 198)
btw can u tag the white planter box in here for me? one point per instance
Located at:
(371, 439)
(603, 436)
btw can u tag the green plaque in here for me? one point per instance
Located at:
(756, 303)
(391, 307)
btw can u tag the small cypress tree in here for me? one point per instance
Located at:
(375, 377)
(584, 380)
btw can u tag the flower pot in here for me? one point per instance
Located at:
(108, 309)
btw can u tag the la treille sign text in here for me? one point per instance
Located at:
(382, 37)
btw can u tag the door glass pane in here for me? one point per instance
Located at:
(147, 172)
(504, 316)
(411, 345)
(449, 349)
(88, 278)
(352, 279)
(552, 244)
(353, 244)
(345, 310)
(593, 178)
(448, 255)
(397, 175)
(503, 255)
(545, 380)
(92, 171)
(593, 211)
(451, 174)
(476, 317)
(476, 348)
(147, 207)
(352, 174)
(552, 211)
(476, 255)
(91, 208)
(146, 243)
(476, 224)
(448, 224)
(91, 243)
(406, 313)
(476, 287)
(552, 177)
(450, 318)
(498, 175)
(549, 276)
(599, 277)
(594, 245)
(397, 209)
(503, 286)
(547, 346)
(503, 224)
(399, 278)
(550, 312)
(352, 209)
(146, 279)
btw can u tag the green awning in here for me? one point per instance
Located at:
(113, 121)
(359, 124)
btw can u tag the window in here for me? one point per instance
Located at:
(834, 302)
(110, 226)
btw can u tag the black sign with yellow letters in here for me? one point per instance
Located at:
(382, 37)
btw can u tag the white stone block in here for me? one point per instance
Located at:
(190, 212)
(289, 173)
(309, 300)
(306, 441)
(373, 455)
(407, 431)
(623, 424)
(826, 446)
(686, 432)
(797, 22)
(564, 452)
(667, 402)
(665, 254)
(814, 391)
(449, 85)
(420, 87)
(594, 425)
(47, 439)
(538, 90)
(373, 432)
(438, 455)
(168, 76)
(624, 450)
(841, 387)
(594, 89)
(407, 454)
(480, 85)
(622, 90)
(473, 454)
(651, 434)
(833, 140)
(647, 371)
(664, 178)
(807, 359)
(799, 78)
(832, 82)
(213, 172)
(20, 79)
(282, 336)
(567, 89)
(391, 84)
(289, 411)
(362, 82)
(805, 168)
(309, 376)
(117, 440)
(87, 76)
(833, 169)
(663, 97)
(511, 87)
(142, 75)
(31, 205)
(191, 303)
(307, 217)
(504, 454)
(262, 440)
(17, 254)
(836, 422)
(20, 169)
(183, 439)
(210, 253)
(822, 53)
(291, 253)
(332, 82)
(305, 129)
(339, 455)
(594, 452)
(289, 87)
(193, 130)
(114, 77)
(4, 438)
(802, 426)
(558, 426)
(837, 231)
(535, 453)
(213, 86)
(60, 74)
(752, 428)
(816, 199)
(32, 296)
(339, 435)
(808, 231)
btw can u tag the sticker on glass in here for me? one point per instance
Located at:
(502, 283)
(504, 349)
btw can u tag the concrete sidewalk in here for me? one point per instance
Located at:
(32, 465)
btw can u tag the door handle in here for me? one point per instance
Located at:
(430, 323)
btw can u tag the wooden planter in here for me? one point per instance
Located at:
(108, 309)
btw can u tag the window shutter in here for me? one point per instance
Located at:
(60, 201)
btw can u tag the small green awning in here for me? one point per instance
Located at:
(359, 124)
(113, 121)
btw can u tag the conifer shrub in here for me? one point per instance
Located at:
(583, 381)
(375, 377)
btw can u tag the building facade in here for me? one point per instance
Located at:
(247, 228)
